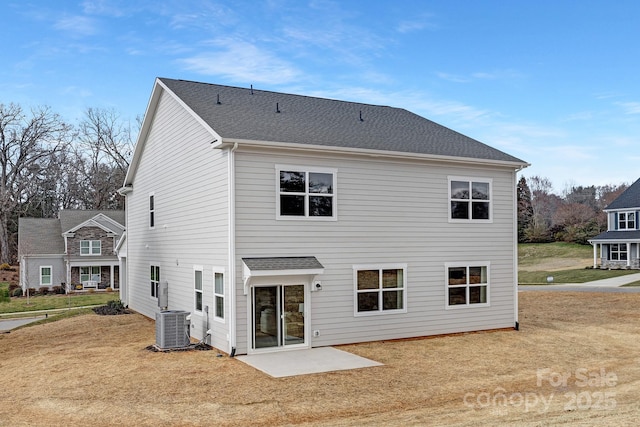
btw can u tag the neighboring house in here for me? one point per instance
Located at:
(77, 250)
(283, 221)
(619, 246)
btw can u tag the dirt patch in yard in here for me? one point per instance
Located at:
(558, 264)
(94, 370)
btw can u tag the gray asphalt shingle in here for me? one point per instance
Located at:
(282, 263)
(629, 199)
(257, 115)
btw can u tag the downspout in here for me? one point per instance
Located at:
(515, 249)
(232, 248)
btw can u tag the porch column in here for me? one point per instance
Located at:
(595, 255)
(111, 276)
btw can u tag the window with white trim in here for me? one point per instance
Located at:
(90, 274)
(626, 220)
(152, 211)
(46, 273)
(218, 295)
(618, 251)
(305, 193)
(197, 281)
(155, 281)
(380, 289)
(469, 199)
(90, 247)
(467, 285)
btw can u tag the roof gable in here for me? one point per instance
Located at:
(109, 220)
(630, 198)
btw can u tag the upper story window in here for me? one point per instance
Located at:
(90, 247)
(152, 211)
(626, 220)
(380, 289)
(306, 193)
(467, 284)
(469, 199)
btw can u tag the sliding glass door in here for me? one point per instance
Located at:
(278, 316)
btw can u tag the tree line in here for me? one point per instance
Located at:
(575, 216)
(48, 164)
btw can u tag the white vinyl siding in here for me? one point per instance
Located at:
(188, 181)
(389, 211)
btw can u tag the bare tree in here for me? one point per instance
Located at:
(105, 147)
(27, 142)
(544, 204)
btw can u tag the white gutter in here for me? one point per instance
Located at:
(369, 152)
(232, 247)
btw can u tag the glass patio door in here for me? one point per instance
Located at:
(278, 316)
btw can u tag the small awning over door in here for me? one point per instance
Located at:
(279, 266)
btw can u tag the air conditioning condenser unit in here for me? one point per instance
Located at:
(172, 329)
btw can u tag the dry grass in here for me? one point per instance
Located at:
(94, 370)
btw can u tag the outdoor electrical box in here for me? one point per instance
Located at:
(163, 295)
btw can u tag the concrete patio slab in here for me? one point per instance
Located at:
(308, 361)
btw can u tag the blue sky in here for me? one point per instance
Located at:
(555, 83)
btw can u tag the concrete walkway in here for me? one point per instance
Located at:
(9, 324)
(9, 321)
(605, 285)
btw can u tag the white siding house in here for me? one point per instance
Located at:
(619, 246)
(283, 221)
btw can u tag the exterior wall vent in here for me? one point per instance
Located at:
(172, 329)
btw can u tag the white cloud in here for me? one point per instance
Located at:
(630, 107)
(77, 25)
(242, 62)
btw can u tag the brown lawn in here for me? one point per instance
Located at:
(94, 370)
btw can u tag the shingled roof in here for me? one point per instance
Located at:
(248, 114)
(629, 199)
(43, 236)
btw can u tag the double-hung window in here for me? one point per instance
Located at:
(197, 280)
(90, 274)
(218, 295)
(155, 281)
(380, 289)
(90, 247)
(306, 193)
(467, 285)
(618, 251)
(469, 199)
(626, 221)
(45, 275)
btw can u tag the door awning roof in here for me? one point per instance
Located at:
(279, 266)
